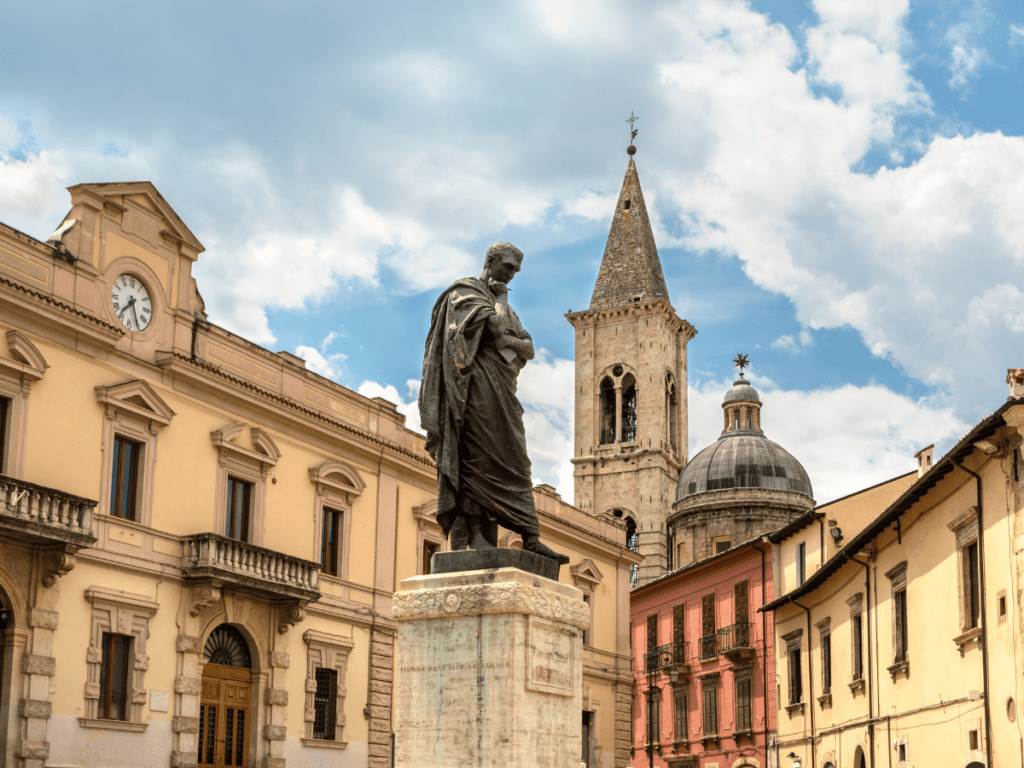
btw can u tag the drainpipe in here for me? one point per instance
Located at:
(764, 645)
(867, 634)
(984, 617)
(810, 684)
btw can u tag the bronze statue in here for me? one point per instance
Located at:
(468, 407)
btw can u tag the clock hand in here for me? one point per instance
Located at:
(136, 314)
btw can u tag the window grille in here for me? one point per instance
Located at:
(325, 704)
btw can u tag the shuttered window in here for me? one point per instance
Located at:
(707, 632)
(796, 687)
(901, 625)
(710, 710)
(680, 724)
(741, 617)
(652, 642)
(743, 705)
(679, 633)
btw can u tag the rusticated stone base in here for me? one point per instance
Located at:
(488, 671)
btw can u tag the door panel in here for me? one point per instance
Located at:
(224, 722)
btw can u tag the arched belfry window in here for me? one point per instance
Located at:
(607, 411)
(628, 408)
(633, 543)
(672, 405)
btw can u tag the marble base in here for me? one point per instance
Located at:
(490, 559)
(489, 671)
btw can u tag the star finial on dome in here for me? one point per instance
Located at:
(741, 362)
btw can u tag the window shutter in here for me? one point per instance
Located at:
(652, 633)
(678, 631)
(707, 615)
(740, 603)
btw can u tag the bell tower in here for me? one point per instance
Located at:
(631, 386)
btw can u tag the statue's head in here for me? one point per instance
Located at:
(502, 261)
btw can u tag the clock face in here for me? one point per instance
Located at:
(131, 302)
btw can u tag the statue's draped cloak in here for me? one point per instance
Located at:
(470, 412)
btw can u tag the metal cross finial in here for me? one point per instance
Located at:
(633, 131)
(742, 362)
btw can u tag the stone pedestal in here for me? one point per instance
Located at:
(489, 671)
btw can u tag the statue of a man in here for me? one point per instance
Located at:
(468, 407)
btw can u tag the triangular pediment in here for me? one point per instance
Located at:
(630, 269)
(138, 398)
(143, 195)
(586, 571)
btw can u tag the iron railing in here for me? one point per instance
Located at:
(665, 656)
(735, 638)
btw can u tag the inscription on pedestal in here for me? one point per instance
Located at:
(549, 658)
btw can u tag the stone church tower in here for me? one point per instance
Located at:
(631, 386)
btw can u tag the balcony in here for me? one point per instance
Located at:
(43, 515)
(665, 657)
(708, 648)
(57, 522)
(735, 642)
(225, 561)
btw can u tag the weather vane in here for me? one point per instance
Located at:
(742, 362)
(633, 131)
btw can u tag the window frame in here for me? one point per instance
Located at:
(107, 673)
(230, 506)
(825, 657)
(24, 366)
(118, 475)
(709, 685)
(801, 563)
(586, 577)
(856, 603)
(325, 651)
(337, 486)
(125, 614)
(794, 670)
(900, 631)
(250, 465)
(133, 411)
(741, 704)
(681, 713)
(965, 528)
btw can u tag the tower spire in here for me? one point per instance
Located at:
(630, 270)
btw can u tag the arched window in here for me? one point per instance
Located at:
(673, 413)
(633, 543)
(628, 409)
(607, 411)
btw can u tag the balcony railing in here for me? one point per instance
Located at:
(708, 647)
(44, 514)
(208, 555)
(665, 656)
(735, 641)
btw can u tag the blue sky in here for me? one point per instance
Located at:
(836, 186)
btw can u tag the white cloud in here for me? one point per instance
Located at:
(328, 366)
(593, 206)
(847, 438)
(967, 54)
(792, 343)
(1016, 36)
(407, 406)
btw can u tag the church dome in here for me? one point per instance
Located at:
(743, 457)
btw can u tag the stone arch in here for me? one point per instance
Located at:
(628, 410)
(859, 760)
(12, 624)
(672, 411)
(259, 651)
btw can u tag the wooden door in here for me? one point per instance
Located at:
(224, 722)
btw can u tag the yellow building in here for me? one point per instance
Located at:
(902, 647)
(199, 538)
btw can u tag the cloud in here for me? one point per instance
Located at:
(967, 54)
(792, 343)
(328, 366)
(1016, 36)
(407, 406)
(847, 438)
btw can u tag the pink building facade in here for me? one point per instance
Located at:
(704, 677)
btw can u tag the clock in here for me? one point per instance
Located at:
(132, 303)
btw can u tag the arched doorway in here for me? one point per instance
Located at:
(224, 721)
(859, 760)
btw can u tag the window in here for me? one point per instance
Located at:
(124, 477)
(672, 405)
(243, 506)
(17, 373)
(633, 544)
(826, 662)
(652, 643)
(628, 409)
(856, 604)
(679, 634)
(585, 752)
(325, 704)
(965, 528)
(710, 696)
(114, 674)
(744, 719)
(588, 632)
(801, 563)
(116, 660)
(708, 648)
(795, 668)
(330, 544)
(607, 411)
(654, 715)
(239, 509)
(900, 638)
(134, 415)
(5, 409)
(722, 543)
(679, 721)
(741, 616)
(430, 548)
(586, 576)
(326, 662)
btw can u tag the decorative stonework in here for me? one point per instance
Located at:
(482, 599)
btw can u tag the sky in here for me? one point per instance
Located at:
(836, 187)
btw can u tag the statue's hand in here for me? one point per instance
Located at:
(498, 290)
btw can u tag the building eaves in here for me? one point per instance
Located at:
(60, 305)
(781, 534)
(929, 480)
(689, 569)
